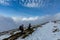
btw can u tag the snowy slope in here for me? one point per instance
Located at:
(4, 36)
(44, 33)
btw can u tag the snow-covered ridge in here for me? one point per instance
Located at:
(45, 33)
(49, 31)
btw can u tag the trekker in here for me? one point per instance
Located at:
(21, 28)
(29, 26)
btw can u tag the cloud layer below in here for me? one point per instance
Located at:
(7, 23)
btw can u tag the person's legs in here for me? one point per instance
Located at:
(22, 32)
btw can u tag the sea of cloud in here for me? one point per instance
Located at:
(7, 23)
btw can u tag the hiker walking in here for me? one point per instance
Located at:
(21, 28)
(29, 26)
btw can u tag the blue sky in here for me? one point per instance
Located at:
(27, 11)
(19, 8)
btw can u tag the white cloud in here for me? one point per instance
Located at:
(25, 18)
(6, 23)
(32, 3)
(32, 20)
(4, 2)
(57, 16)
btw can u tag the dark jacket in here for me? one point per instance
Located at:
(29, 26)
(21, 27)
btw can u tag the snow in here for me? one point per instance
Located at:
(44, 33)
(4, 36)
